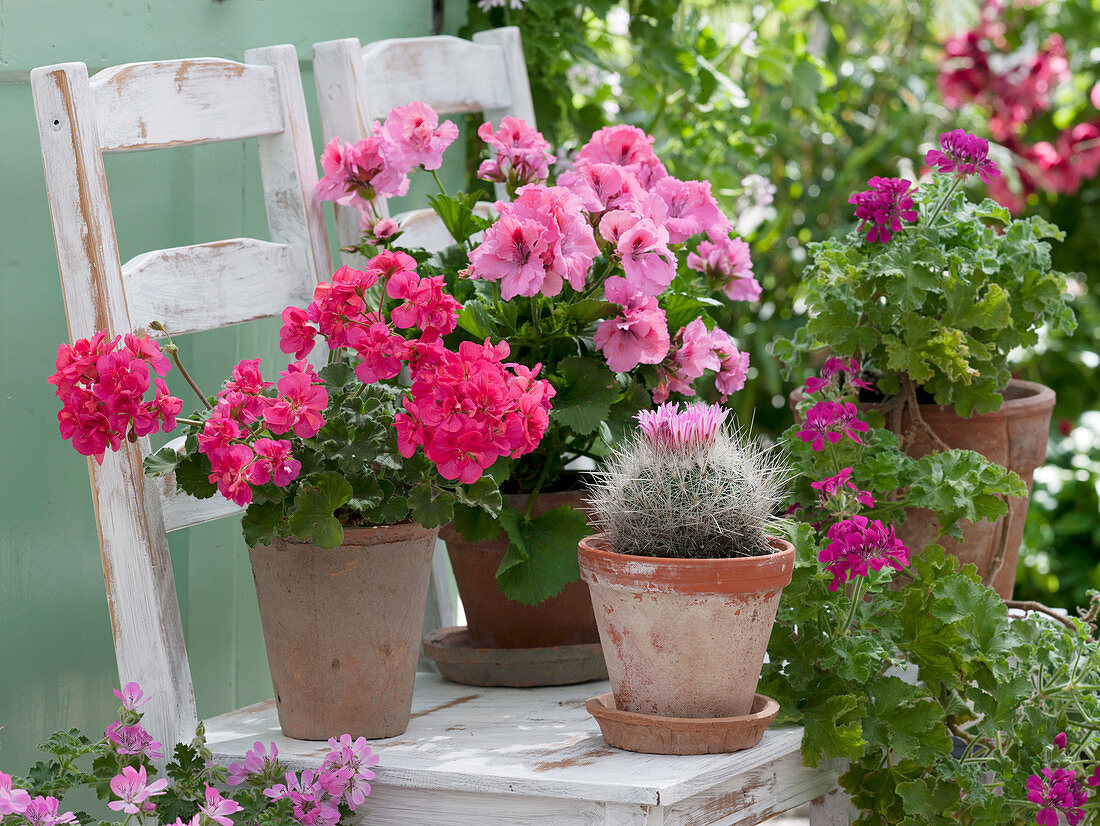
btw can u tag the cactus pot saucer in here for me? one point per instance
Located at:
(653, 734)
(460, 662)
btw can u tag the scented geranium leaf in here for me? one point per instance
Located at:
(161, 462)
(906, 722)
(586, 389)
(928, 803)
(836, 323)
(429, 508)
(338, 375)
(311, 516)
(542, 553)
(991, 312)
(833, 728)
(474, 524)
(261, 522)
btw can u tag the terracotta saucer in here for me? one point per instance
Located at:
(457, 660)
(651, 734)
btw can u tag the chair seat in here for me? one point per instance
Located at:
(503, 755)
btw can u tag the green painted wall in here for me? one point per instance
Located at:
(57, 664)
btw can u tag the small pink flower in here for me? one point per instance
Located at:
(838, 487)
(1057, 791)
(379, 230)
(521, 154)
(691, 210)
(133, 791)
(727, 264)
(626, 146)
(602, 186)
(300, 406)
(1094, 779)
(883, 207)
(12, 801)
(229, 470)
(831, 421)
(413, 136)
(257, 761)
(217, 807)
(1060, 741)
(296, 335)
(638, 336)
(42, 811)
(308, 799)
(273, 463)
(147, 350)
(133, 740)
(349, 770)
(733, 364)
(132, 696)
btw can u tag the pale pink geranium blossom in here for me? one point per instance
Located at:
(626, 146)
(413, 136)
(521, 155)
(12, 801)
(133, 790)
(42, 811)
(217, 808)
(131, 694)
(638, 336)
(727, 263)
(355, 174)
(133, 740)
(257, 760)
(648, 263)
(602, 186)
(691, 210)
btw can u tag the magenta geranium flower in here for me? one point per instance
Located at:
(882, 208)
(842, 483)
(859, 546)
(309, 800)
(831, 421)
(1057, 791)
(133, 791)
(964, 154)
(133, 740)
(835, 370)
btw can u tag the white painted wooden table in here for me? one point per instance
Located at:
(490, 756)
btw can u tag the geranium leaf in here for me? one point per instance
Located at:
(586, 389)
(542, 556)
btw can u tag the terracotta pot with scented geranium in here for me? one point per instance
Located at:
(920, 308)
(344, 495)
(685, 577)
(602, 282)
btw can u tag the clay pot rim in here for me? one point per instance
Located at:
(1038, 397)
(365, 535)
(650, 574)
(763, 709)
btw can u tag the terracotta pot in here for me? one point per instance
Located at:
(498, 622)
(342, 629)
(684, 637)
(1015, 437)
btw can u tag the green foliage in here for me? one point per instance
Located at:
(542, 555)
(943, 303)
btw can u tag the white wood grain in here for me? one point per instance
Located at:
(510, 42)
(167, 104)
(137, 567)
(542, 743)
(832, 809)
(207, 286)
(184, 102)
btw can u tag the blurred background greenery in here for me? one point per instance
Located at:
(789, 106)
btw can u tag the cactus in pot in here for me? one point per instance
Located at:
(684, 577)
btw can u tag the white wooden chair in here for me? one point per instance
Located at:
(142, 106)
(358, 85)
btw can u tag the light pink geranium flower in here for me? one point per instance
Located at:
(511, 253)
(648, 263)
(131, 695)
(727, 263)
(521, 155)
(691, 210)
(626, 146)
(357, 173)
(257, 760)
(12, 801)
(42, 811)
(733, 364)
(638, 336)
(133, 790)
(217, 808)
(413, 136)
(602, 186)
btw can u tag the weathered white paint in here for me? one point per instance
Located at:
(137, 567)
(503, 755)
(184, 102)
(207, 286)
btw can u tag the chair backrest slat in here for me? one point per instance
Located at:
(205, 286)
(200, 287)
(184, 102)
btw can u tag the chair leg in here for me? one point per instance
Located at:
(832, 809)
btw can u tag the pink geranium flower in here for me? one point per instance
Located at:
(257, 762)
(842, 487)
(602, 186)
(521, 155)
(882, 208)
(727, 264)
(831, 421)
(859, 546)
(638, 336)
(300, 406)
(355, 174)
(1057, 791)
(964, 154)
(217, 808)
(273, 463)
(133, 740)
(349, 770)
(229, 470)
(648, 264)
(309, 800)
(133, 790)
(12, 801)
(691, 210)
(413, 136)
(132, 696)
(626, 146)
(42, 811)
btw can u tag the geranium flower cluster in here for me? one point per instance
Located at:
(882, 208)
(102, 384)
(1015, 85)
(829, 421)
(379, 165)
(857, 546)
(237, 435)
(465, 409)
(963, 154)
(838, 376)
(1057, 791)
(839, 494)
(695, 349)
(521, 155)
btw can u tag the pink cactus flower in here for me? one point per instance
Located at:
(694, 427)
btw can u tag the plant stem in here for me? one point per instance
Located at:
(193, 422)
(946, 198)
(187, 377)
(857, 598)
(438, 182)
